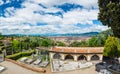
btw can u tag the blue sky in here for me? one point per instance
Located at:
(49, 16)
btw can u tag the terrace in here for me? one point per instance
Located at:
(58, 65)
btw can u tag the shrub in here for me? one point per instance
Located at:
(27, 53)
(14, 56)
(19, 55)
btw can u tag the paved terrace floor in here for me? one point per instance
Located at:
(15, 69)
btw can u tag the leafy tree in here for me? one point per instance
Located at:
(1, 37)
(83, 43)
(75, 44)
(15, 45)
(100, 40)
(58, 43)
(92, 41)
(46, 42)
(110, 14)
(106, 33)
(112, 48)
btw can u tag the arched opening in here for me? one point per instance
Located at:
(56, 56)
(95, 57)
(82, 57)
(69, 57)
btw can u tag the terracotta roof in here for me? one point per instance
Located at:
(78, 49)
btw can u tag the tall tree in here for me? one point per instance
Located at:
(110, 14)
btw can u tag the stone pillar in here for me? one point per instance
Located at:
(88, 58)
(51, 55)
(75, 57)
(101, 57)
(37, 52)
(62, 56)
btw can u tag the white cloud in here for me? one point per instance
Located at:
(85, 3)
(1, 2)
(9, 11)
(8, 1)
(24, 20)
(81, 16)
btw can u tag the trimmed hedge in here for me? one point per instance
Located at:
(19, 55)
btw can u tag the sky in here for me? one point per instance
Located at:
(49, 17)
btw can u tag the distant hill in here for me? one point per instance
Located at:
(68, 34)
(82, 34)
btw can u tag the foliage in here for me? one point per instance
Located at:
(14, 56)
(1, 44)
(46, 42)
(112, 47)
(95, 41)
(9, 50)
(110, 14)
(15, 45)
(92, 41)
(1, 37)
(19, 55)
(58, 43)
(75, 44)
(79, 44)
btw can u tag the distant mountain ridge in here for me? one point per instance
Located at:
(68, 34)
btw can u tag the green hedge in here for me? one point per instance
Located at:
(19, 55)
(27, 53)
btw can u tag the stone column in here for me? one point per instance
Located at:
(62, 56)
(101, 57)
(88, 58)
(51, 55)
(75, 57)
(37, 52)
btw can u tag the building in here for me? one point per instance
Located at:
(69, 40)
(76, 53)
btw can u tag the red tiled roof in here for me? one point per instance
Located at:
(81, 50)
(78, 49)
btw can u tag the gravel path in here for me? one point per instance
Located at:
(15, 69)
